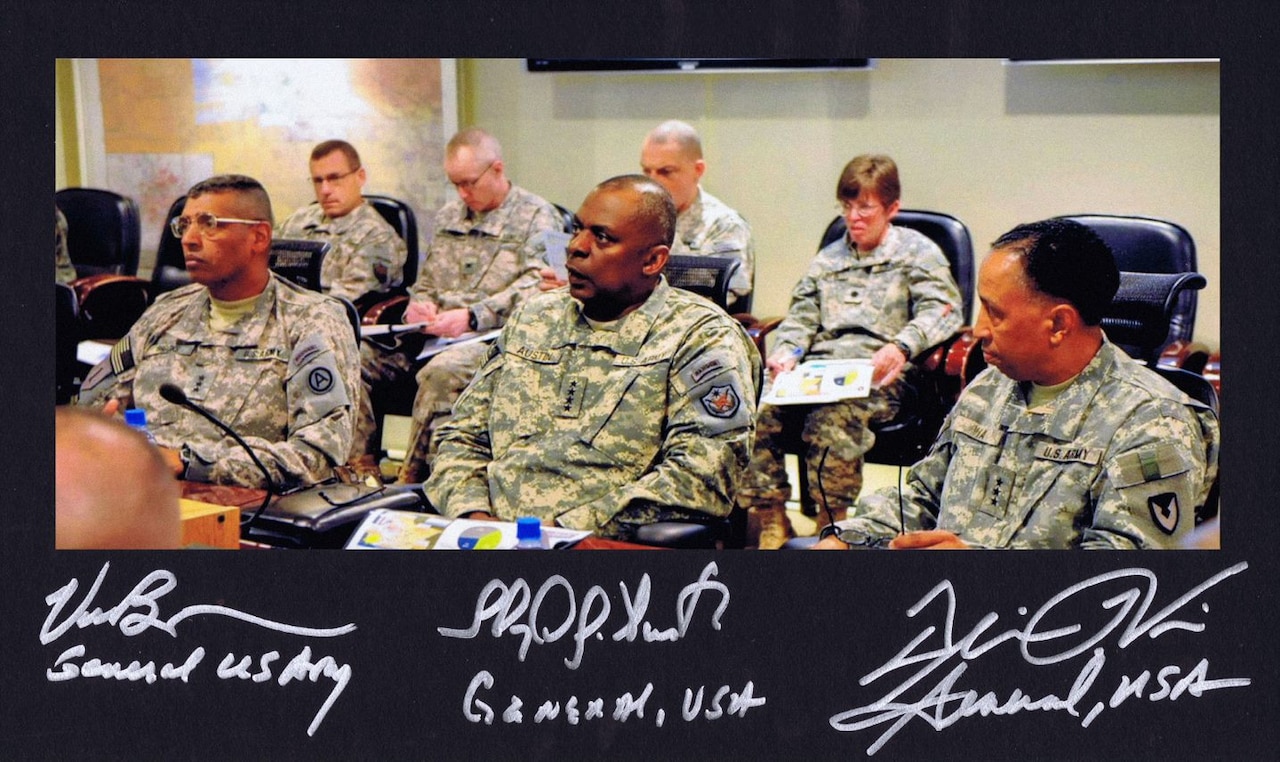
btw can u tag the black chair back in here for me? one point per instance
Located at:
(299, 261)
(170, 270)
(67, 337)
(706, 276)
(951, 235)
(104, 230)
(566, 216)
(1144, 308)
(401, 217)
(1144, 244)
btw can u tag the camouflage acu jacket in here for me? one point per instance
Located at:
(282, 377)
(650, 418)
(1120, 459)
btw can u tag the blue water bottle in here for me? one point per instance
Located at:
(136, 419)
(528, 533)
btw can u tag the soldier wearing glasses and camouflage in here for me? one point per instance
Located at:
(486, 251)
(882, 292)
(275, 362)
(366, 255)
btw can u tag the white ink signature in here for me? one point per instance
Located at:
(507, 605)
(942, 705)
(724, 703)
(139, 611)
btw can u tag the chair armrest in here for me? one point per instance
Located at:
(758, 329)
(677, 534)
(1213, 372)
(110, 303)
(385, 312)
(1187, 355)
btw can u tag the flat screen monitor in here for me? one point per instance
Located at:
(695, 64)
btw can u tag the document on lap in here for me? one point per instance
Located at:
(818, 381)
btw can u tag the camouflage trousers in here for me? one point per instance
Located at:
(840, 430)
(440, 382)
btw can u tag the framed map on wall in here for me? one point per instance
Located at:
(154, 127)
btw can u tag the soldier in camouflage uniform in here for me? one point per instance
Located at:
(366, 255)
(484, 259)
(672, 155)
(1065, 442)
(617, 402)
(882, 292)
(64, 270)
(276, 363)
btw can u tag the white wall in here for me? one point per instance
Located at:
(992, 144)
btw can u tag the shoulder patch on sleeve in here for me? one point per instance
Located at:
(119, 361)
(721, 405)
(706, 367)
(1148, 464)
(314, 376)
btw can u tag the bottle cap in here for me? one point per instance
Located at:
(136, 417)
(528, 528)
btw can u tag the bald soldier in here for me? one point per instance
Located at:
(616, 402)
(114, 490)
(671, 155)
(1064, 441)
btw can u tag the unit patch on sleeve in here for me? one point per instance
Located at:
(1164, 511)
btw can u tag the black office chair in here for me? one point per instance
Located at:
(942, 369)
(705, 276)
(1147, 245)
(299, 261)
(104, 230)
(67, 338)
(170, 270)
(400, 216)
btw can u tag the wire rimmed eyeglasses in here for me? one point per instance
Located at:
(206, 223)
(332, 178)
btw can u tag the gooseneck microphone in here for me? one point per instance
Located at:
(172, 393)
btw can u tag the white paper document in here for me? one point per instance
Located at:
(818, 381)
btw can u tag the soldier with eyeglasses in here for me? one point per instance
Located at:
(880, 292)
(366, 255)
(486, 250)
(275, 362)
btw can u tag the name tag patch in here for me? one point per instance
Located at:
(972, 428)
(1069, 454)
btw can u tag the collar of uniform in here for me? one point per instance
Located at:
(1062, 418)
(841, 255)
(344, 223)
(244, 333)
(488, 223)
(687, 221)
(634, 328)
